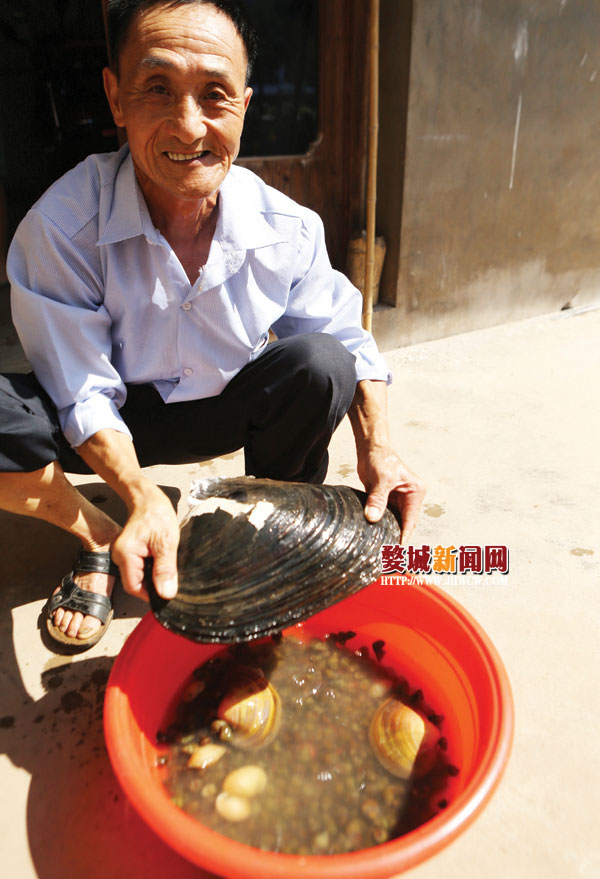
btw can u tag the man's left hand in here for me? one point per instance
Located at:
(387, 480)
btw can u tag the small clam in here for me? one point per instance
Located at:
(205, 755)
(232, 807)
(402, 740)
(252, 709)
(193, 689)
(247, 781)
(221, 729)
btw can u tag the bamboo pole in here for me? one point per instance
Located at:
(373, 138)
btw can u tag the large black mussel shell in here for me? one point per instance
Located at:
(309, 547)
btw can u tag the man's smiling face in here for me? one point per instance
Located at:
(181, 96)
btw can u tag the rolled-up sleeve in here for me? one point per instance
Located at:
(58, 311)
(323, 300)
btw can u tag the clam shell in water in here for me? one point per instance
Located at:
(403, 741)
(252, 708)
(257, 555)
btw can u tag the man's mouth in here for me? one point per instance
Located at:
(186, 157)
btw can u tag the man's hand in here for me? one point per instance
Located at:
(385, 477)
(387, 480)
(151, 531)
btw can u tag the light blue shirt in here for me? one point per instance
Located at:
(99, 298)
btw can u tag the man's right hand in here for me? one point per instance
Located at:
(151, 530)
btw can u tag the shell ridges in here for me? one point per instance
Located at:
(238, 581)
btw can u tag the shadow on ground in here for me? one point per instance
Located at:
(78, 820)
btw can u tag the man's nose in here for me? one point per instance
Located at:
(187, 120)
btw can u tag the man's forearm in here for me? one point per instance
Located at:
(112, 456)
(368, 414)
(385, 477)
(151, 529)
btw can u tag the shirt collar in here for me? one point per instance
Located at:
(128, 214)
(241, 224)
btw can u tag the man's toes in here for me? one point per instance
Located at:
(65, 619)
(58, 617)
(72, 628)
(89, 626)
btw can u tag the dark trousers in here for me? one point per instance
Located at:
(281, 408)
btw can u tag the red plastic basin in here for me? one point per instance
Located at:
(428, 637)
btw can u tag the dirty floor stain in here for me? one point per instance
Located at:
(434, 510)
(72, 700)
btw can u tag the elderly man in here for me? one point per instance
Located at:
(144, 285)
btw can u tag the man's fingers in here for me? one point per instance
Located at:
(164, 577)
(140, 541)
(163, 572)
(131, 570)
(164, 564)
(376, 503)
(410, 509)
(388, 481)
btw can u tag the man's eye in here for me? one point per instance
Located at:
(214, 95)
(158, 90)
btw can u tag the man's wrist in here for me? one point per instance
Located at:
(138, 491)
(112, 456)
(368, 415)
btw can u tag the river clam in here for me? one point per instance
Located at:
(402, 739)
(206, 755)
(257, 555)
(252, 709)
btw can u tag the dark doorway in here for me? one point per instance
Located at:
(282, 117)
(306, 126)
(53, 111)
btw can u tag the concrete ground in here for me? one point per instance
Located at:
(504, 425)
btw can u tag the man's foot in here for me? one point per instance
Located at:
(70, 624)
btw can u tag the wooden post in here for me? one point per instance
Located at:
(105, 19)
(373, 137)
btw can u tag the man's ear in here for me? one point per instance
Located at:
(247, 96)
(111, 87)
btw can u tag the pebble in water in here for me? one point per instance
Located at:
(232, 808)
(247, 781)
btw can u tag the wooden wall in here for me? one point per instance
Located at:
(330, 178)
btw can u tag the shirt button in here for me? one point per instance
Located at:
(186, 306)
(188, 371)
